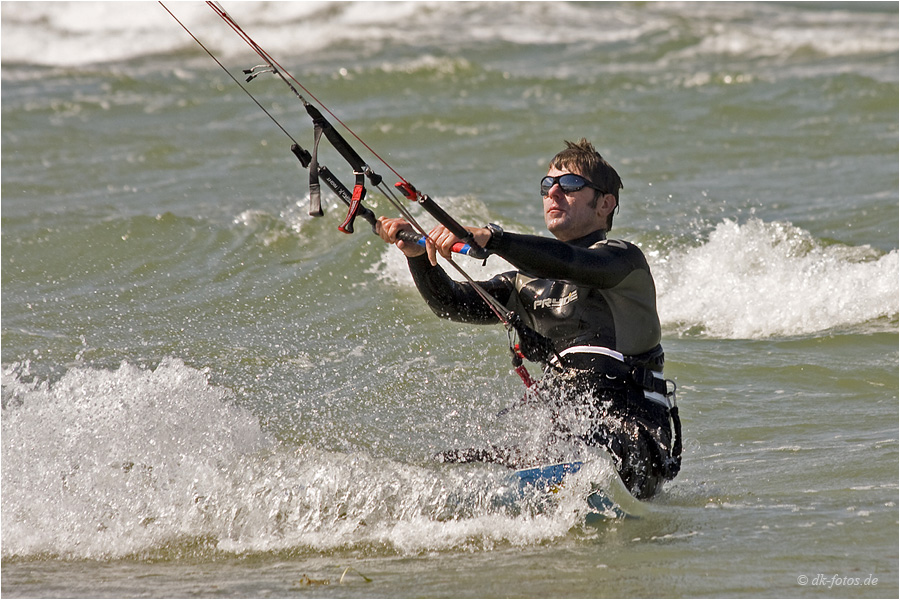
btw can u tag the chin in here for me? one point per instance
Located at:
(558, 228)
(555, 225)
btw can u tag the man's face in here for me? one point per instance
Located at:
(571, 216)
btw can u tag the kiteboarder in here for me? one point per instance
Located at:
(592, 298)
(582, 305)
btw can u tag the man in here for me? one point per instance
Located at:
(592, 299)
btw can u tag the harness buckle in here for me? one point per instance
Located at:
(646, 379)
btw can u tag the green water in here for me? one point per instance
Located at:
(207, 392)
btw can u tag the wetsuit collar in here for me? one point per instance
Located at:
(590, 239)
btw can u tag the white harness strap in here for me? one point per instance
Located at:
(614, 354)
(593, 350)
(657, 397)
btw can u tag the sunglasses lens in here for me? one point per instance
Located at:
(568, 182)
(571, 183)
(546, 184)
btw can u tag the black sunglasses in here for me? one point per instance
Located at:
(569, 182)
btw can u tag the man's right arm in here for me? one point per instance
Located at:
(455, 300)
(448, 299)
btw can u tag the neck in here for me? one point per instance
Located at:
(591, 238)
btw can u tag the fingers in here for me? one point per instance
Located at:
(430, 247)
(445, 241)
(440, 240)
(388, 229)
(383, 230)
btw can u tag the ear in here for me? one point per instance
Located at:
(605, 205)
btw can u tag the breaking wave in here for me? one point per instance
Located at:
(759, 280)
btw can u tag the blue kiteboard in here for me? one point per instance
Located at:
(609, 499)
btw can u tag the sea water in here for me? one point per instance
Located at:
(207, 392)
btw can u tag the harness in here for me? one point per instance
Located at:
(633, 371)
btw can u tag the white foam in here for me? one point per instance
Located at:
(751, 280)
(82, 33)
(109, 463)
(106, 463)
(758, 280)
(748, 31)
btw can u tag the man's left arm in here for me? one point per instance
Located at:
(604, 265)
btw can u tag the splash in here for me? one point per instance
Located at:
(110, 462)
(760, 280)
(139, 462)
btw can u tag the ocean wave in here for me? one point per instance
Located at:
(748, 281)
(760, 280)
(83, 33)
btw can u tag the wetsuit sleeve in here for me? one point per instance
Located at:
(454, 300)
(603, 266)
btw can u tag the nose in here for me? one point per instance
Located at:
(555, 192)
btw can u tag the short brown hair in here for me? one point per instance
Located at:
(582, 157)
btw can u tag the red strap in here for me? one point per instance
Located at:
(520, 369)
(359, 192)
(522, 372)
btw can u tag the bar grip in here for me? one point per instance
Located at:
(454, 227)
(415, 238)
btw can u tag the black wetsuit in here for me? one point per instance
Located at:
(596, 302)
